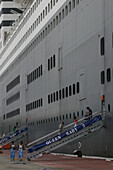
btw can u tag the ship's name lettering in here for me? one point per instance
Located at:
(53, 140)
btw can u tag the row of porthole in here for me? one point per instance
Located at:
(57, 118)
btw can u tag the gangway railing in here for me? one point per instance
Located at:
(13, 136)
(70, 133)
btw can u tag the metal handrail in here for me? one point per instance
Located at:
(53, 133)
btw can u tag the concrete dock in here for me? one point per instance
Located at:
(54, 162)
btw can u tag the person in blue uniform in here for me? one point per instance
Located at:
(20, 151)
(12, 152)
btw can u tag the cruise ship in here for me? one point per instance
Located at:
(56, 60)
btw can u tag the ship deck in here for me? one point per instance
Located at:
(52, 161)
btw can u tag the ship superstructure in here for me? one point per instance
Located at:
(56, 62)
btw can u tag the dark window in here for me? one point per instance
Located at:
(73, 3)
(57, 95)
(54, 97)
(102, 46)
(53, 60)
(37, 73)
(48, 64)
(51, 98)
(13, 98)
(63, 117)
(102, 77)
(37, 103)
(4, 117)
(66, 91)
(78, 87)
(41, 102)
(33, 75)
(109, 108)
(60, 95)
(82, 113)
(13, 113)
(73, 89)
(41, 70)
(63, 95)
(70, 92)
(66, 116)
(11, 85)
(70, 115)
(108, 75)
(77, 114)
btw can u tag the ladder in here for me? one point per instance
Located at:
(8, 138)
(55, 140)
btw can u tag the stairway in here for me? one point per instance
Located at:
(55, 140)
(8, 138)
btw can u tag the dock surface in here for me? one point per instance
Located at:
(53, 162)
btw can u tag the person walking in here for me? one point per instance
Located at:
(12, 152)
(75, 121)
(61, 126)
(20, 151)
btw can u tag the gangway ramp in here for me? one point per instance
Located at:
(55, 140)
(14, 136)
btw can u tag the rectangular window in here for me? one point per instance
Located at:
(78, 87)
(60, 58)
(11, 85)
(102, 77)
(108, 75)
(54, 60)
(48, 64)
(70, 91)
(13, 113)
(102, 46)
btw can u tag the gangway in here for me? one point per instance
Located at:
(13, 136)
(55, 140)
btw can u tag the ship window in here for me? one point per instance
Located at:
(37, 72)
(41, 102)
(108, 75)
(73, 89)
(39, 19)
(51, 119)
(70, 92)
(77, 2)
(54, 23)
(46, 11)
(56, 20)
(59, 17)
(60, 58)
(66, 10)
(70, 6)
(41, 70)
(48, 29)
(66, 116)
(56, 1)
(54, 119)
(51, 62)
(57, 118)
(37, 103)
(73, 3)
(77, 114)
(66, 91)
(4, 117)
(102, 77)
(63, 117)
(48, 7)
(48, 64)
(73, 114)
(60, 117)
(70, 115)
(54, 60)
(33, 75)
(43, 34)
(49, 99)
(109, 108)
(54, 97)
(78, 87)
(63, 95)
(63, 14)
(60, 95)
(53, 2)
(33, 105)
(57, 95)
(51, 26)
(102, 46)
(43, 14)
(82, 113)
